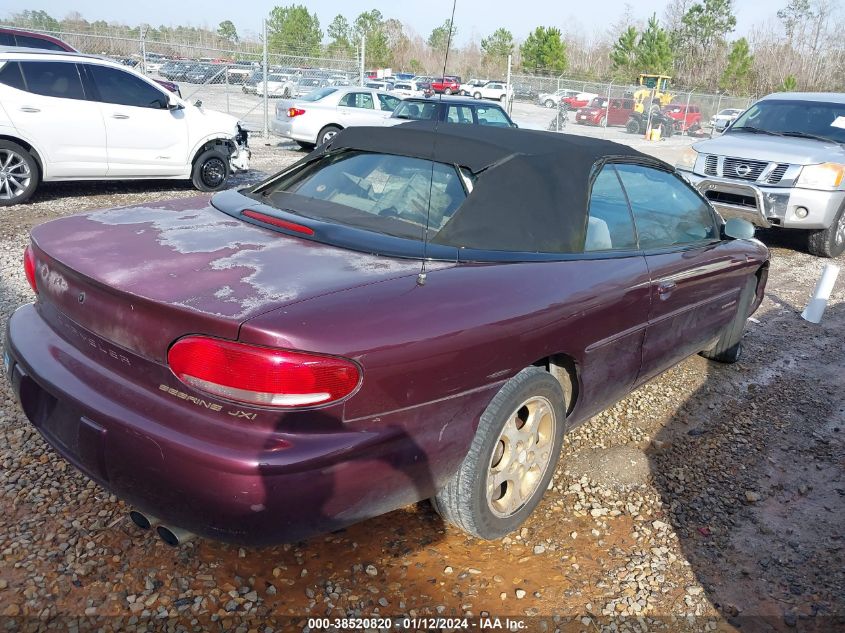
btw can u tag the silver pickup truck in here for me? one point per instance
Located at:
(781, 164)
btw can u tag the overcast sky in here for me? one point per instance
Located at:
(476, 18)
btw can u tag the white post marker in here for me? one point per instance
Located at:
(818, 302)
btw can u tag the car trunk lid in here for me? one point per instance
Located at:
(141, 277)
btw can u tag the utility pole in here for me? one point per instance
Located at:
(363, 56)
(266, 97)
(143, 33)
(508, 89)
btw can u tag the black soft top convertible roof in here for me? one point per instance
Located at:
(532, 190)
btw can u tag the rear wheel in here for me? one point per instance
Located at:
(18, 174)
(327, 134)
(829, 242)
(476, 95)
(549, 103)
(211, 169)
(503, 98)
(448, 91)
(511, 460)
(632, 126)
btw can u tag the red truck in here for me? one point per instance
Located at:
(599, 113)
(446, 85)
(689, 116)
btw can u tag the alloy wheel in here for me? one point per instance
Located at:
(15, 175)
(839, 237)
(521, 456)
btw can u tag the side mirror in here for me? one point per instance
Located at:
(738, 229)
(172, 104)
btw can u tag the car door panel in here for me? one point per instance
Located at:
(69, 130)
(144, 139)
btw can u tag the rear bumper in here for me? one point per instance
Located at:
(769, 206)
(228, 482)
(286, 129)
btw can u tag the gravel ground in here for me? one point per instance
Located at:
(709, 499)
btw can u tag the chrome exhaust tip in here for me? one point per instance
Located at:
(143, 521)
(174, 536)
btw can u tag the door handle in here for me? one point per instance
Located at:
(30, 109)
(665, 288)
(117, 115)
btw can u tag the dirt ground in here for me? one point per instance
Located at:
(712, 498)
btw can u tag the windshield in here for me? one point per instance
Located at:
(416, 110)
(395, 195)
(794, 118)
(316, 95)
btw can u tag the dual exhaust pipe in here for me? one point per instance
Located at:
(173, 536)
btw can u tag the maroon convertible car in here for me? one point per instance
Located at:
(277, 361)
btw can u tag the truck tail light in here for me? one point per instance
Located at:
(294, 112)
(29, 267)
(261, 376)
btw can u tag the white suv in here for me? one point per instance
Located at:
(66, 116)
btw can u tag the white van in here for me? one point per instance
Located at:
(67, 116)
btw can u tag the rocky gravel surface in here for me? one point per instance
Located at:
(712, 498)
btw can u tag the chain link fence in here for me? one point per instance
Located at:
(608, 105)
(229, 80)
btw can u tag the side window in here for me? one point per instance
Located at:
(37, 42)
(10, 75)
(388, 102)
(459, 114)
(667, 211)
(358, 100)
(7, 39)
(609, 226)
(121, 88)
(53, 79)
(492, 116)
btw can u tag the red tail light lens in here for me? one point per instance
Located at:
(261, 376)
(292, 112)
(29, 267)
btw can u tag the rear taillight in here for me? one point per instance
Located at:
(261, 376)
(29, 267)
(292, 112)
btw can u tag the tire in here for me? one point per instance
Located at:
(19, 174)
(476, 95)
(632, 126)
(603, 122)
(728, 348)
(549, 103)
(503, 98)
(327, 133)
(211, 170)
(448, 91)
(829, 242)
(466, 501)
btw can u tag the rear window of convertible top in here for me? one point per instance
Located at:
(394, 195)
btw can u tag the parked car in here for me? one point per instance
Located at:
(495, 90)
(524, 92)
(239, 72)
(579, 100)
(277, 86)
(115, 124)
(639, 123)
(318, 116)
(780, 164)
(451, 110)
(445, 85)
(553, 99)
(269, 383)
(308, 84)
(601, 112)
(407, 89)
(724, 118)
(175, 69)
(27, 39)
(688, 116)
(468, 88)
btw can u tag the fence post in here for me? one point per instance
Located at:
(226, 74)
(686, 115)
(266, 97)
(363, 57)
(508, 91)
(607, 106)
(143, 51)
